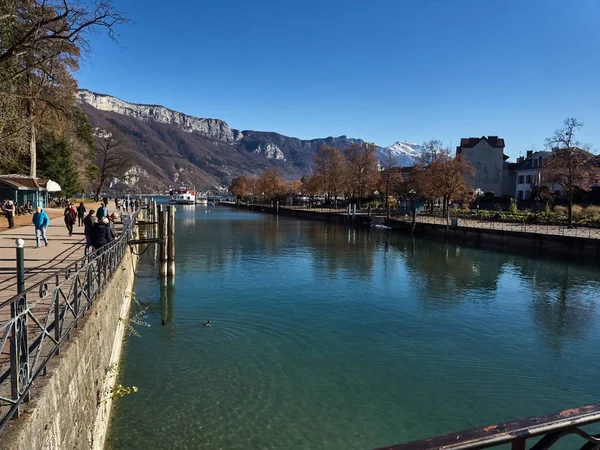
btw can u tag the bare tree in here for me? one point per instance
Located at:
(112, 157)
(391, 178)
(431, 151)
(565, 137)
(362, 167)
(330, 171)
(572, 165)
(573, 169)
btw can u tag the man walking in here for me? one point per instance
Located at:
(88, 224)
(10, 214)
(40, 221)
(102, 212)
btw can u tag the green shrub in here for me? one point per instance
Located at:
(593, 212)
(513, 206)
(576, 210)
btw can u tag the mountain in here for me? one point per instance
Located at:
(404, 153)
(171, 147)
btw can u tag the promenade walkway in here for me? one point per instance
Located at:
(62, 250)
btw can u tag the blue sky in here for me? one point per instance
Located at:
(379, 70)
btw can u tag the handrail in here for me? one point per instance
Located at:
(43, 316)
(551, 427)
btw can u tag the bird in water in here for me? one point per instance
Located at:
(207, 324)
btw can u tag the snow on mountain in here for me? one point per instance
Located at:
(405, 154)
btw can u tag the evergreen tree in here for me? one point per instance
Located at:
(57, 162)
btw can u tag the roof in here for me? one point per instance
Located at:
(528, 163)
(471, 142)
(24, 183)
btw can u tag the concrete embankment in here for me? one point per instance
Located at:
(546, 245)
(70, 406)
(358, 221)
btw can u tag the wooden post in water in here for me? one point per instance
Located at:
(171, 240)
(163, 225)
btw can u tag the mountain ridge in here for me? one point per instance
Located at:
(171, 146)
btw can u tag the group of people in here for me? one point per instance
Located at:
(99, 226)
(12, 209)
(126, 204)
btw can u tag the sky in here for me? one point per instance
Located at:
(379, 70)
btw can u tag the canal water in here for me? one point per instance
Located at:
(328, 338)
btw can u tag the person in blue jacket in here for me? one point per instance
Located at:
(40, 221)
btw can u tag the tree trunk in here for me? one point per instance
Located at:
(570, 209)
(33, 153)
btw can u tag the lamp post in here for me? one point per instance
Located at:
(478, 192)
(411, 194)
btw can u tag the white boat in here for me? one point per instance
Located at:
(201, 199)
(183, 195)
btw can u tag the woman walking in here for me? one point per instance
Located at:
(80, 213)
(70, 217)
(40, 221)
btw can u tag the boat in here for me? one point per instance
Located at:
(201, 199)
(183, 195)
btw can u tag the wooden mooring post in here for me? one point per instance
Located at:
(171, 240)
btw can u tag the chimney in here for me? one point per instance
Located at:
(520, 159)
(529, 153)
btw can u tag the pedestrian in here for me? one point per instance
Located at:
(40, 221)
(70, 217)
(117, 205)
(10, 214)
(80, 213)
(88, 225)
(102, 211)
(111, 224)
(101, 234)
(105, 201)
(137, 204)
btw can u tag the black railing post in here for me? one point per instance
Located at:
(57, 313)
(20, 266)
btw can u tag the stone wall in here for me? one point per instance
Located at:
(546, 245)
(67, 409)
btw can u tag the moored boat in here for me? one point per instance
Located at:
(183, 195)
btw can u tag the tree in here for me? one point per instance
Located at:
(391, 178)
(431, 151)
(330, 171)
(240, 187)
(444, 178)
(40, 47)
(573, 169)
(571, 165)
(112, 156)
(362, 169)
(57, 161)
(271, 185)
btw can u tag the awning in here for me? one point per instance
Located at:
(52, 186)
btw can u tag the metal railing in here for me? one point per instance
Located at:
(548, 429)
(35, 323)
(502, 225)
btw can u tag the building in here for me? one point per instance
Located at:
(529, 175)
(486, 155)
(22, 189)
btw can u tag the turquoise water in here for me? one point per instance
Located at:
(325, 337)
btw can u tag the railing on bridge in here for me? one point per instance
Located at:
(37, 321)
(547, 430)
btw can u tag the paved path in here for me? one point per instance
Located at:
(62, 251)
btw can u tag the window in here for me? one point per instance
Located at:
(527, 195)
(528, 179)
(521, 179)
(541, 161)
(535, 163)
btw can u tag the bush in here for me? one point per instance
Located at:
(576, 210)
(561, 211)
(593, 212)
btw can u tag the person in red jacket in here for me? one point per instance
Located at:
(70, 218)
